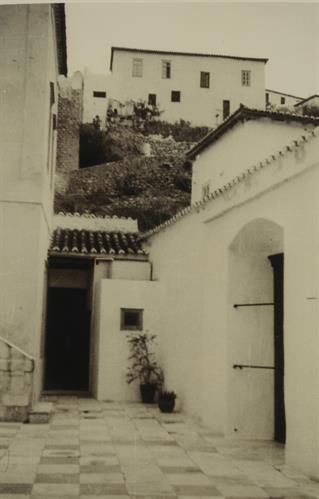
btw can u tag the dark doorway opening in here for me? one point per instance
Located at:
(67, 340)
(277, 262)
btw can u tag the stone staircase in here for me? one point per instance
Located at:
(16, 387)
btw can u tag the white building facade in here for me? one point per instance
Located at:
(35, 54)
(275, 99)
(200, 88)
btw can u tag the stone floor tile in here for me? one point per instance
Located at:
(188, 479)
(15, 488)
(59, 460)
(99, 467)
(57, 489)
(101, 478)
(242, 491)
(57, 478)
(58, 468)
(15, 476)
(102, 489)
(196, 490)
(275, 492)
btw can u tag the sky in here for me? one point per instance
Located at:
(286, 33)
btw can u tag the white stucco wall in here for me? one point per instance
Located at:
(198, 105)
(27, 66)
(113, 349)
(275, 99)
(239, 148)
(195, 250)
(93, 106)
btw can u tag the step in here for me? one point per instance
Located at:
(40, 413)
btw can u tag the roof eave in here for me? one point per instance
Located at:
(60, 28)
(187, 54)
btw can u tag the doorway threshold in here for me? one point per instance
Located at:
(67, 393)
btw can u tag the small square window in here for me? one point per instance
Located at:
(246, 78)
(137, 69)
(152, 99)
(204, 79)
(100, 94)
(282, 100)
(132, 319)
(176, 96)
(166, 69)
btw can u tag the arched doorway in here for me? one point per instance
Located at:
(255, 333)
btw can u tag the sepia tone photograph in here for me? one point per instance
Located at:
(159, 250)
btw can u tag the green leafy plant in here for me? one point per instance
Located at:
(144, 366)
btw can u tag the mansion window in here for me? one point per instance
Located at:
(166, 69)
(99, 94)
(176, 96)
(204, 79)
(282, 100)
(246, 78)
(137, 69)
(152, 99)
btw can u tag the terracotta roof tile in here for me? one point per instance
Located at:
(87, 242)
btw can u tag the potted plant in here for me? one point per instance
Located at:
(144, 367)
(166, 401)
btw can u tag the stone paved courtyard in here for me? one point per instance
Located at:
(96, 449)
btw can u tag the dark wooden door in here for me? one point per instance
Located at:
(277, 262)
(67, 340)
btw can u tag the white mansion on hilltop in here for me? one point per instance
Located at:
(200, 88)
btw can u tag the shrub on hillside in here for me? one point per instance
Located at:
(96, 146)
(183, 183)
(129, 185)
(310, 111)
(181, 131)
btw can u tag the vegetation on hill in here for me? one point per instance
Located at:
(127, 182)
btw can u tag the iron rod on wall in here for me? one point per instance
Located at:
(236, 305)
(242, 366)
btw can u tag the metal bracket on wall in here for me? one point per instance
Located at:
(246, 366)
(237, 305)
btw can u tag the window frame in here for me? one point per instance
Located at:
(150, 96)
(166, 69)
(246, 78)
(99, 94)
(137, 67)
(282, 100)
(126, 327)
(204, 79)
(174, 94)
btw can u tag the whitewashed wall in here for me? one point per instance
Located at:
(192, 262)
(27, 163)
(113, 351)
(198, 105)
(242, 147)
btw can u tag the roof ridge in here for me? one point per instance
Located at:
(244, 111)
(181, 53)
(236, 180)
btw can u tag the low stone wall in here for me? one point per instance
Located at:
(16, 380)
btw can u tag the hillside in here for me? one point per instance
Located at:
(151, 188)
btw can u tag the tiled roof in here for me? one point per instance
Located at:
(283, 93)
(188, 54)
(94, 243)
(290, 148)
(306, 100)
(243, 114)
